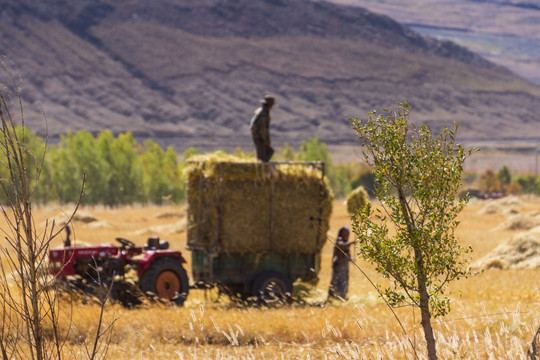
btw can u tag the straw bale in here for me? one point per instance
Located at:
(101, 224)
(170, 214)
(81, 216)
(509, 200)
(176, 228)
(535, 230)
(518, 222)
(84, 217)
(242, 205)
(491, 208)
(356, 200)
(521, 252)
(510, 211)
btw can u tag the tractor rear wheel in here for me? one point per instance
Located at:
(272, 288)
(166, 279)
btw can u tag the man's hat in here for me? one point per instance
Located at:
(268, 100)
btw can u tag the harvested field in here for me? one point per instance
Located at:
(494, 314)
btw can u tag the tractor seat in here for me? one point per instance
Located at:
(154, 243)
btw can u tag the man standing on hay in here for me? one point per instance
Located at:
(260, 129)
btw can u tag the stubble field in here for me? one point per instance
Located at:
(494, 314)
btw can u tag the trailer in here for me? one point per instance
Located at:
(254, 228)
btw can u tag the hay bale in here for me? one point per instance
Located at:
(170, 214)
(535, 230)
(176, 228)
(98, 224)
(84, 217)
(242, 205)
(79, 216)
(509, 200)
(510, 211)
(518, 222)
(356, 200)
(489, 209)
(521, 252)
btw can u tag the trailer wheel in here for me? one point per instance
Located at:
(166, 279)
(272, 287)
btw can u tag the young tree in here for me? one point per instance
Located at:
(315, 150)
(490, 183)
(31, 143)
(287, 152)
(162, 179)
(124, 173)
(504, 175)
(418, 176)
(64, 178)
(529, 184)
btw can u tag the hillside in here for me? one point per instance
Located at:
(191, 74)
(502, 31)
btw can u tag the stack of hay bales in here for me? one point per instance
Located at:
(241, 205)
(356, 200)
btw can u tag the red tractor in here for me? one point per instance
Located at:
(159, 270)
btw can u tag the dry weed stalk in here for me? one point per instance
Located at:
(29, 326)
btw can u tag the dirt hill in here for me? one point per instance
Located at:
(502, 31)
(191, 73)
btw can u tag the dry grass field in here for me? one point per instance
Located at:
(494, 315)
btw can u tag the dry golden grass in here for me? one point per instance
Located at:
(494, 315)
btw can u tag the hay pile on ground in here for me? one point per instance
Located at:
(500, 206)
(99, 224)
(521, 252)
(176, 228)
(519, 222)
(510, 211)
(84, 217)
(242, 205)
(509, 200)
(356, 200)
(170, 214)
(80, 216)
(490, 208)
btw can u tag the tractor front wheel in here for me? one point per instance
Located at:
(166, 279)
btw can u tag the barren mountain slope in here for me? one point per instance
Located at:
(506, 32)
(191, 73)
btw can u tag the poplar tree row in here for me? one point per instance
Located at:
(117, 170)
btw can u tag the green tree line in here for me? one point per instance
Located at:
(119, 170)
(504, 183)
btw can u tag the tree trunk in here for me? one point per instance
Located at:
(534, 351)
(424, 306)
(426, 323)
